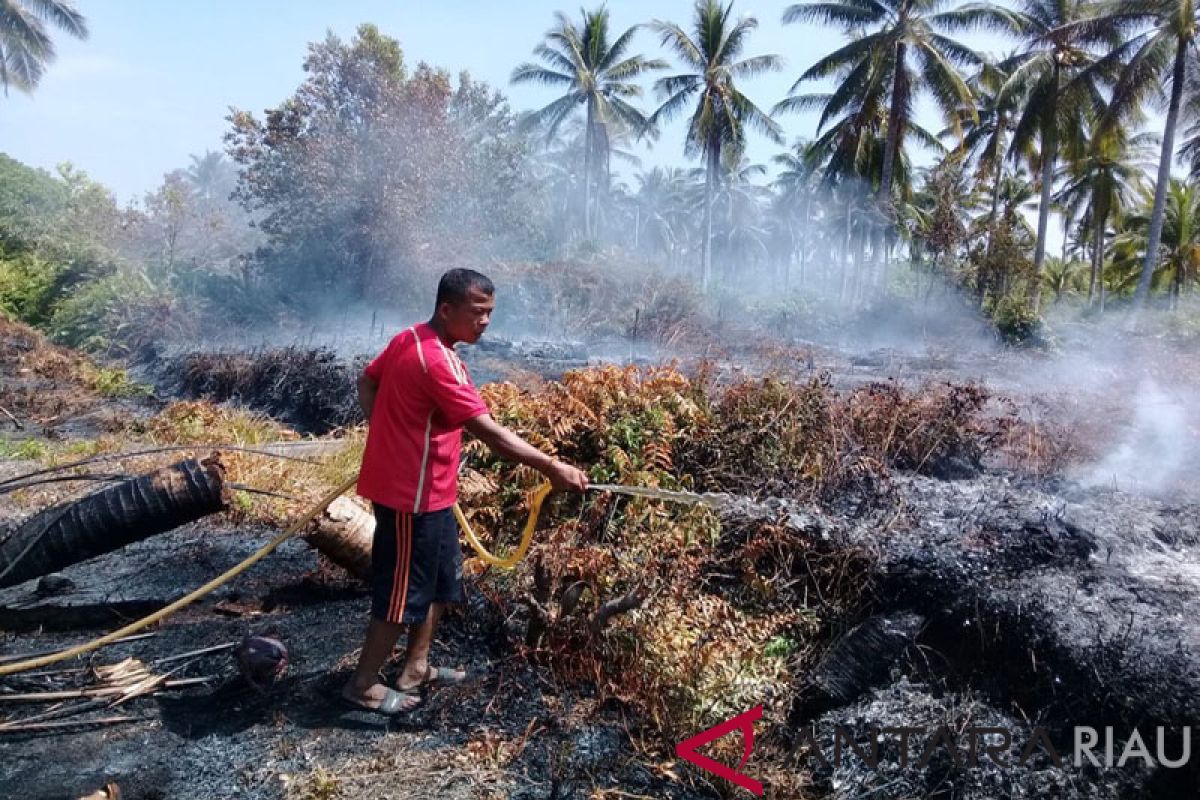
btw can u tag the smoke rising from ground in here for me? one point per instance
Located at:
(1154, 448)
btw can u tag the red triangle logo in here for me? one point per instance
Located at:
(743, 722)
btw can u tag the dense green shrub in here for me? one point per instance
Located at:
(118, 315)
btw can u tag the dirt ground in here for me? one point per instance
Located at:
(508, 733)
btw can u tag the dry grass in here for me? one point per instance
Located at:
(727, 616)
(42, 384)
(396, 771)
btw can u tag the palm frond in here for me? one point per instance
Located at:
(617, 50)
(842, 58)
(799, 103)
(555, 59)
(552, 116)
(673, 105)
(748, 113)
(982, 16)
(59, 13)
(632, 67)
(673, 84)
(756, 65)
(535, 73)
(674, 37)
(848, 14)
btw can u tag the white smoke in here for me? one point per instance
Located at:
(1152, 452)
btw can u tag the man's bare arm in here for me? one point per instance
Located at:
(367, 389)
(508, 445)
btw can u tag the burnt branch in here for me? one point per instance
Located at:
(604, 614)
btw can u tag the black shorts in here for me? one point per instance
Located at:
(415, 560)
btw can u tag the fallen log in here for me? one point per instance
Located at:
(343, 533)
(112, 518)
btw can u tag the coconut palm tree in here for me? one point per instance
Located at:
(660, 214)
(211, 176)
(25, 44)
(905, 53)
(1179, 246)
(1052, 80)
(797, 187)
(722, 113)
(1189, 151)
(739, 204)
(1150, 61)
(596, 75)
(851, 150)
(988, 132)
(1103, 183)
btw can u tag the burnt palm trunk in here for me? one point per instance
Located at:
(112, 518)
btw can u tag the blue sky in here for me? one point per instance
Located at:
(155, 81)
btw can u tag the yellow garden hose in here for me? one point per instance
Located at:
(526, 536)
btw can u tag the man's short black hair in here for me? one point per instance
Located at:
(456, 283)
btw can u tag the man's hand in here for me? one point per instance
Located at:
(563, 477)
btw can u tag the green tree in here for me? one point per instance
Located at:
(212, 176)
(25, 44)
(1149, 61)
(907, 49)
(988, 125)
(595, 74)
(739, 206)
(359, 180)
(797, 186)
(1101, 184)
(1052, 82)
(31, 205)
(722, 113)
(1179, 246)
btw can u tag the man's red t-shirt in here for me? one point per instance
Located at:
(414, 441)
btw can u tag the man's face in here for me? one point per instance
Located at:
(466, 321)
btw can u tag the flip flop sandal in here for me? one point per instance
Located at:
(443, 676)
(435, 677)
(394, 703)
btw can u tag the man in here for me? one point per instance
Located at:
(418, 397)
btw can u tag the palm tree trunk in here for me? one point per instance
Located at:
(1097, 254)
(1150, 263)
(846, 256)
(588, 147)
(1049, 154)
(804, 237)
(604, 143)
(993, 215)
(1177, 291)
(894, 125)
(710, 178)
